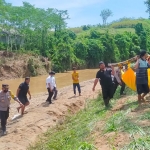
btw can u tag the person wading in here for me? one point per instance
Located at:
(141, 67)
(104, 76)
(22, 91)
(50, 84)
(5, 97)
(75, 78)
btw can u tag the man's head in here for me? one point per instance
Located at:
(74, 69)
(143, 54)
(27, 80)
(52, 73)
(101, 65)
(5, 87)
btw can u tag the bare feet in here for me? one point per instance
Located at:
(143, 100)
(18, 108)
(79, 94)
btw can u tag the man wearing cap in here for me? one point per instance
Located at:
(5, 97)
(50, 84)
(104, 76)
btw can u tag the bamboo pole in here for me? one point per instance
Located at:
(133, 59)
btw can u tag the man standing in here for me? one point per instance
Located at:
(75, 78)
(21, 93)
(119, 80)
(141, 67)
(104, 76)
(55, 89)
(50, 86)
(5, 97)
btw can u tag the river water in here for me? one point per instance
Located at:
(38, 85)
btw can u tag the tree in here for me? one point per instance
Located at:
(105, 14)
(147, 3)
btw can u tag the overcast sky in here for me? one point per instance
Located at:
(83, 12)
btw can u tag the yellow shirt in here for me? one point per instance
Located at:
(75, 77)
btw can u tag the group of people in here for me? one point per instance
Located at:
(108, 77)
(21, 95)
(5, 97)
(51, 85)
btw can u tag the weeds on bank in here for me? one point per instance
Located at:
(120, 122)
(139, 144)
(73, 133)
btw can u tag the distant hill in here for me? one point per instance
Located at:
(115, 27)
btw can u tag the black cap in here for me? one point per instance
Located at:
(52, 72)
(101, 62)
(5, 85)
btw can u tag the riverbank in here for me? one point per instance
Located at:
(19, 65)
(40, 116)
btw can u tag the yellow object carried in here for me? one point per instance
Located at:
(148, 73)
(128, 78)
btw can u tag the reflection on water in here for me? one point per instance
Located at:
(38, 85)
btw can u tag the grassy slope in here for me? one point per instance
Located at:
(116, 27)
(76, 132)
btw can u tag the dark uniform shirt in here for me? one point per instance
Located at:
(24, 87)
(105, 77)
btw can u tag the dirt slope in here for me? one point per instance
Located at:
(15, 65)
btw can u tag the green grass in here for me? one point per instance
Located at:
(138, 144)
(73, 133)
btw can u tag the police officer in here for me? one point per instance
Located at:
(5, 97)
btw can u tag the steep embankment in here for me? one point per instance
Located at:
(15, 65)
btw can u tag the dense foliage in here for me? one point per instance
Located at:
(27, 28)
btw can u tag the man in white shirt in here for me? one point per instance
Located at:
(50, 87)
(55, 89)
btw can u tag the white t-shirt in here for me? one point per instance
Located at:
(50, 80)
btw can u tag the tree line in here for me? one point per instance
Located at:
(30, 29)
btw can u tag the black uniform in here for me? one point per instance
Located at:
(106, 84)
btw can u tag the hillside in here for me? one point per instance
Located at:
(15, 65)
(119, 26)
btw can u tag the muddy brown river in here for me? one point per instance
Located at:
(38, 85)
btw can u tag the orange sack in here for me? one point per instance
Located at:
(129, 77)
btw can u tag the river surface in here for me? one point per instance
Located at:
(38, 85)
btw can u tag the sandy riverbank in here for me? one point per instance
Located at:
(40, 116)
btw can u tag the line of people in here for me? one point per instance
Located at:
(23, 90)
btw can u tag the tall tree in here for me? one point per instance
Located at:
(105, 14)
(147, 3)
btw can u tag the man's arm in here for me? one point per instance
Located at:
(15, 98)
(73, 77)
(17, 93)
(136, 64)
(116, 75)
(29, 94)
(95, 83)
(113, 71)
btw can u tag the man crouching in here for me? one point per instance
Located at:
(5, 97)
